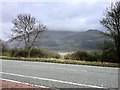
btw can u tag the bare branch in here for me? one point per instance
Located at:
(26, 29)
(111, 22)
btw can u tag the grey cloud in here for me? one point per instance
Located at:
(58, 15)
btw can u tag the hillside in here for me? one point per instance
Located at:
(66, 40)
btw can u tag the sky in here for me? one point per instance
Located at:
(70, 15)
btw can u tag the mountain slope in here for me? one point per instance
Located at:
(66, 40)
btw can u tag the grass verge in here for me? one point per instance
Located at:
(104, 64)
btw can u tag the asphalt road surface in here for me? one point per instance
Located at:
(60, 75)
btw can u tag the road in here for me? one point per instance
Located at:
(60, 75)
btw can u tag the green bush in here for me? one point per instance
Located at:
(34, 52)
(110, 56)
(5, 54)
(109, 52)
(19, 52)
(84, 56)
(94, 56)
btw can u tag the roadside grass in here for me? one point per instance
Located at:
(104, 64)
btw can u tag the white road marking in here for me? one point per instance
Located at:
(52, 68)
(53, 80)
(23, 83)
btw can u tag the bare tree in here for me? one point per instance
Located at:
(27, 29)
(111, 22)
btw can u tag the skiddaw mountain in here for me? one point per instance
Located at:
(66, 40)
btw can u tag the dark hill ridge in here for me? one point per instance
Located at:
(67, 40)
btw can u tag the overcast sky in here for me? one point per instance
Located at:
(71, 16)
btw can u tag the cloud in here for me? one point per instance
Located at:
(75, 16)
(72, 1)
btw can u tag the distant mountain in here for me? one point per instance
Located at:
(66, 40)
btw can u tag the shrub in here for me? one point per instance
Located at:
(6, 53)
(84, 56)
(109, 56)
(109, 52)
(94, 56)
(34, 52)
(19, 53)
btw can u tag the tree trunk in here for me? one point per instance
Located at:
(29, 50)
(29, 53)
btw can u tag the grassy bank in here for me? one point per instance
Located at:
(104, 64)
